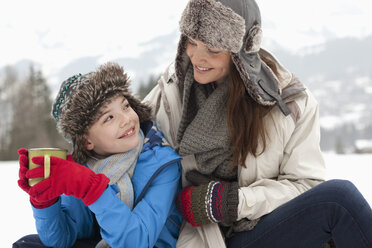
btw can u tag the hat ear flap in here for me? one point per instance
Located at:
(143, 110)
(253, 40)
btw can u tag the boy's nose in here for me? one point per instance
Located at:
(123, 120)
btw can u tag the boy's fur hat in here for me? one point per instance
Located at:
(233, 25)
(80, 97)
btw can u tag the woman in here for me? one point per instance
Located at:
(248, 132)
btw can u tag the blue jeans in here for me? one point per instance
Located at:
(33, 241)
(333, 209)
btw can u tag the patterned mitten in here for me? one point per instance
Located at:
(211, 202)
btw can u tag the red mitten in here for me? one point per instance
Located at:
(211, 202)
(23, 180)
(69, 178)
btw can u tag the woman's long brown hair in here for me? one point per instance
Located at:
(244, 120)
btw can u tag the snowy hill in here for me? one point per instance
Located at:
(16, 215)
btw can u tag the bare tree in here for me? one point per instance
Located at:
(32, 124)
(8, 86)
(146, 87)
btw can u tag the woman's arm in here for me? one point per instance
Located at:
(292, 163)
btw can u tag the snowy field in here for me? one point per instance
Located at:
(16, 215)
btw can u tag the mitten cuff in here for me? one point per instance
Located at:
(98, 185)
(41, 205)
(229, 203)
(196, 178)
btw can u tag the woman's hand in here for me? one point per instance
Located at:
(210, 202)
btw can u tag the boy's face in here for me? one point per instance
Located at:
(116, 129)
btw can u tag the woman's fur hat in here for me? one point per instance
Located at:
(80, 97)
(233, 25)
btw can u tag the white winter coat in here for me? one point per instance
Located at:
(291, 164)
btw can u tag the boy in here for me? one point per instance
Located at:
(123, 176)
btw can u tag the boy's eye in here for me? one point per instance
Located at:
(126, 106)
(108, 118)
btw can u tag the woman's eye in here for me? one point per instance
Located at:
(213, 51)
(191, 43)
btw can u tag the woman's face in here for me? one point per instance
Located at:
(210, 64)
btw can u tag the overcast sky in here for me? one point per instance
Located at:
(55, 32)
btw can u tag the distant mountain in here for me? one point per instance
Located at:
(331, 58)
(22, 68)
(157, 53)
(339, 73)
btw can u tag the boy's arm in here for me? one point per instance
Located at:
(121, 227)
(60, 220)
(61, 224)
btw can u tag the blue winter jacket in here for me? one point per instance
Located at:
(154, 221)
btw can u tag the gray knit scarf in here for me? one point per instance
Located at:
(203, 127)
(119, 168)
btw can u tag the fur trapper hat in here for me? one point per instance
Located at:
(80, 97)
(233, 25)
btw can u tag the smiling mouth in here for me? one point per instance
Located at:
(202, 69)
(128, 133)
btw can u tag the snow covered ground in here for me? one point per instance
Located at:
(16, 215)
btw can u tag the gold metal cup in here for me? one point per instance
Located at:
(47, 153)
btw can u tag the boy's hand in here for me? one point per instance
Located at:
(66, 177)
(23, 180)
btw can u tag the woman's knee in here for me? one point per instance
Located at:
(341, 191)
(341, 184)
